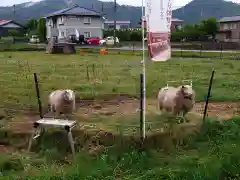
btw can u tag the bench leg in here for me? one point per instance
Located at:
(34, 135)
(70, 139)
(37, 132)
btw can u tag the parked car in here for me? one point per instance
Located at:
(81, 40)
(94, 40)
(34, 39)
(72, 38)
(109, 41)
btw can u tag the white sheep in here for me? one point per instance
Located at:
(178, 101)
(62, 102)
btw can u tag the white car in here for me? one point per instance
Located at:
(35, 39)
(108, 41)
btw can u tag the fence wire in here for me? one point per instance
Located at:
(108, 88)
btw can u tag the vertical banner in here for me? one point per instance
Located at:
(158, 17)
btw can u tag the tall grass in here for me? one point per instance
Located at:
(211, 154)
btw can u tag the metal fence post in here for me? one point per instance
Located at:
(141, 108)
(38, 95)
(133, 48)
(221, 53)
(201, 50)
(208, 95)
(181, 49)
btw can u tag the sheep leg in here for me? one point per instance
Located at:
(180, 117)
(184, 113)
(176, 114)
(53, 111)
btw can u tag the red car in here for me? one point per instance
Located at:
(94, 40)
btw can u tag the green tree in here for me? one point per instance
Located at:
(14, 33)
(193, 32)
(210, 27)
(177, 35)
(41, 29)
(31, 25)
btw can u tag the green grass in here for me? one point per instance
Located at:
(213, 153)
(96, 75)
(10, 47)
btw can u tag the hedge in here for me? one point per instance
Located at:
(125, 34)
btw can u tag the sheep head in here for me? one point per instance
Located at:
(187, 92)
(67, 95)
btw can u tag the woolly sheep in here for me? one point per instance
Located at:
(62, 102)
(177, 101)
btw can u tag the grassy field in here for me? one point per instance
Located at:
(95, 75)
(210, 152)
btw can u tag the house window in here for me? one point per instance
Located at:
(124, 26)
(50, 23)
(228, 36)
(61, 20)
(87, 20)
(87, 34)
(62, 34)
(111, 26)
(225, 26)
(234, 26)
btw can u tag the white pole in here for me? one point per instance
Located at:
(143, 71)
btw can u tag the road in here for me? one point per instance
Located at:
(138, 48)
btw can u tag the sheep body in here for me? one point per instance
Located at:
(177, 101)
(62, 102)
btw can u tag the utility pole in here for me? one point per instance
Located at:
(115, 23)
(14, 11)
(102, 8)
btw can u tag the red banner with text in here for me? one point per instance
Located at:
(158, 16)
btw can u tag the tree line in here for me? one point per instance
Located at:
(32, 27)
(207, 29)
(194, 32)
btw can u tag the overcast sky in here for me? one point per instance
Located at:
(177, 3)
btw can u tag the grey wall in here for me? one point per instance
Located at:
(71, 23)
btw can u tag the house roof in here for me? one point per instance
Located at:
(230, 19)
(5, 22)
(76, 10)
(176, 20)
(118, 22)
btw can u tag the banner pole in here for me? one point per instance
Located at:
(143, 133)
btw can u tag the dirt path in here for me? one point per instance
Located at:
(126, 107)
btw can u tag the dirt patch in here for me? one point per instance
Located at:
(119, 106)
(124, 107)
(22, 125)
(130, 106)
(219, 110)
(6, 149)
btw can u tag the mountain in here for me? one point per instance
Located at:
(29, 10)
(197, 10)
(193, 12)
